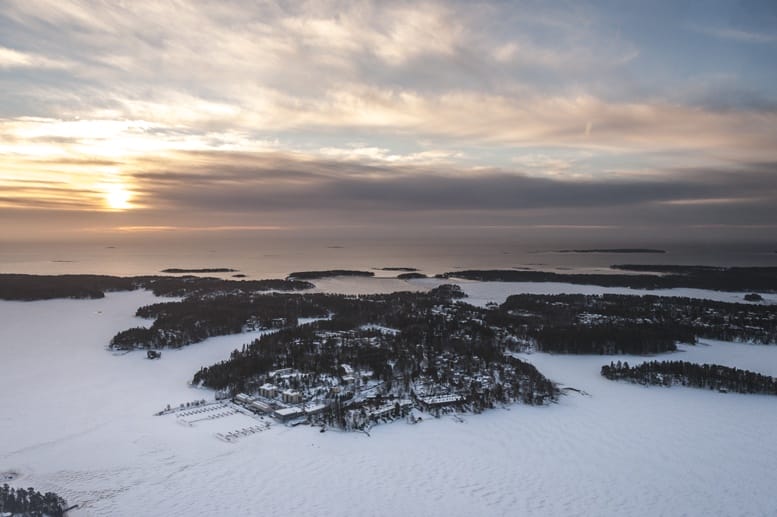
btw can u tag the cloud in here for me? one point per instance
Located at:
(277, 183)
(10, 58)
(739, 35)
(487, 113)
(235, 74)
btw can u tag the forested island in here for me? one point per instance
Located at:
(30, 502)
(682, 373)
(411, 276)
(361, 356)
(614, 250)
(46, 287)
(612, 324)
(763, 279)
(405, 269)
(376, 357)
(200, 270)
(587, 324)
(317, 275)
(350, 361)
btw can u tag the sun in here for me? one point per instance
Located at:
(117, 197)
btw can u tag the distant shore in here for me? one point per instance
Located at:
(614, 250)
(316, 275)
(200, 270)
(645, 277)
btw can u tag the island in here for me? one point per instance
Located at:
(681, 373)
(406, 269)
(411, 276)
(375, 360)
(663, 277)
(351, 362)
(200, 270)
(614, 250)
(317, 275)
(45, 287)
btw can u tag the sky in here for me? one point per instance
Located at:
(612, 118)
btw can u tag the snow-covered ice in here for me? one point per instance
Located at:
(76, 419)
(481, 293)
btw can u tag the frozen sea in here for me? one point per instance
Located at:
(78, 420)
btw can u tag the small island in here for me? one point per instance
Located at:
(761, 278)
(318, 275)
(406, 269)
(411, 276)
(682, 373)
(614, 250)
(200, 270)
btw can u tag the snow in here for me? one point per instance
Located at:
(481, 293)
(355, 285)
(385, 330)
(76, 419)
(288, 411)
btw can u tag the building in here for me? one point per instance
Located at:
(242, 398)
(288, 413)
(315, 409)
(291, 397)
(439, 401)
(268, 390)
(260, 407)
(280, 372)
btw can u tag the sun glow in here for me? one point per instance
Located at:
(117, 197)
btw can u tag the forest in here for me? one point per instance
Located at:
(682, 373)
(178, 270)
(570, 324)
(196, 318)
(761, 279)
(420, 345)
(613, 250)
(611, 324)
(29, 502)
(43, 287)
(46, 287)
(315, 275)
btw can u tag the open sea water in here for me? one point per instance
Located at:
(275, 256)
